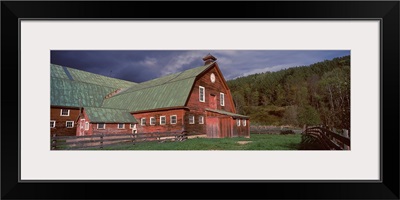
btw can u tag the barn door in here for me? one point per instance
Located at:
(213, 101)
(212, 127)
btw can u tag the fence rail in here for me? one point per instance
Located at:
(327, 139)
(272, 129)
(104, 140)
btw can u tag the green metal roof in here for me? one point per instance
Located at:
(64, 92)
(109, 115)
(87, 77)
(168, 91)
(227, 113)
(57, 71)
(72, 87)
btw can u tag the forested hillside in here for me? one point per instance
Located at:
(313, 95)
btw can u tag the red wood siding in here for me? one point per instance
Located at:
(241, 131)
(110, 129)
(196, 128)
(168, 127)
(225, 127)
(210, 89)
(213, 127)
(60, 125)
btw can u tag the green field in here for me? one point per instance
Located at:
(256, 142)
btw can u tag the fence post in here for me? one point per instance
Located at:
(101, 141)
(53, 142)
(133, 138)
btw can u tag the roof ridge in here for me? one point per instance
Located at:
(126, 92)
(168, 81)
(106, 108)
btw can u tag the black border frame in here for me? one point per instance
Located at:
(387, 12)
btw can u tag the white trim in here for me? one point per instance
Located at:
(86, 126)
(191, 117)
(54, 123)
(204, 94)
(244, 122)
(66, 123)
(222, 99)
(61, 112)
(165, 120)
(155, 121)
(141, 121)
(123, 126)
(131, 126)
(202, 119)
(103, 127)
(237, 122)
(176, 119)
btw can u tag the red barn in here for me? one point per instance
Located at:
(197, 101)
(73, 91)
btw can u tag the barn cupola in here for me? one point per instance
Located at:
(209, 59)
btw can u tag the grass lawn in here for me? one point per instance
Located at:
(258, 142)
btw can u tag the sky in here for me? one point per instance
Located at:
(143, 65)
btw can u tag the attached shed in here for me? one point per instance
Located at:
(105, 120)
(222, 124)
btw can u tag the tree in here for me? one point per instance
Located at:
(308, 115)
(290, 116)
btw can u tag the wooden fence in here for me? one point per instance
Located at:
(104, 140)
(326, 139)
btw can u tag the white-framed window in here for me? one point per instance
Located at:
(202, 94)
(121, 126)
(201, 119)
(222, 99)
(173, 119)
(69, 124)
(244, 122)
(143, 121)
(163, 120)
(86, 126)
(64, 112)
(132, 126)
(238, 122)
(101, 126)
(191, 119)
(152, 121)
(52, 123)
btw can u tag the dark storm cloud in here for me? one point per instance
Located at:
(139, 66)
